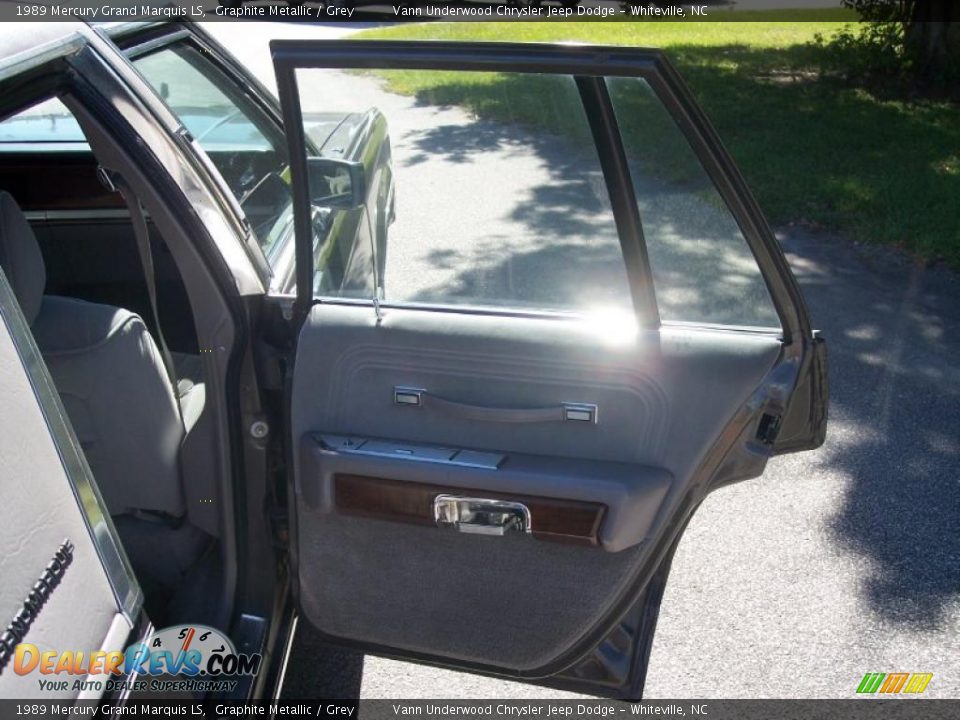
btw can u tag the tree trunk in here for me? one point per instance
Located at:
(933, 38)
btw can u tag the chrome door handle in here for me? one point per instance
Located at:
(480, 516)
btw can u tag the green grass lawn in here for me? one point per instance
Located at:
(814, 149)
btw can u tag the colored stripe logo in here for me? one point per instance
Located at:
(894, 683)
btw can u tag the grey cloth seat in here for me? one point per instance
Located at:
(110, 376)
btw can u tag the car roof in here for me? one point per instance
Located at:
(26, 45)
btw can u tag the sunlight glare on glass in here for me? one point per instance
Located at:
(611, 325)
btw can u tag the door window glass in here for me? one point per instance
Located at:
(491, 194)
(703, 269)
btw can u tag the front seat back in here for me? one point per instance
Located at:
(110, 376)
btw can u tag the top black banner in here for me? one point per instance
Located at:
(366, 11)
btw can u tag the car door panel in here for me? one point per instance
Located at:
(661, 399)
(66, 583)
(591, 438)
(644, 383)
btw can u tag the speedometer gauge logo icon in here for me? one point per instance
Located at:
(191, 650)
(185, 638)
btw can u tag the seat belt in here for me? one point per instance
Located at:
(138, 219)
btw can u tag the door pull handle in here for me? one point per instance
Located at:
(481, 516)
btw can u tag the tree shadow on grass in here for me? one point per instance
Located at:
(815, 149)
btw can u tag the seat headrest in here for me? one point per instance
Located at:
(20, 257)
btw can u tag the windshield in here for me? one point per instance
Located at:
(243, 144)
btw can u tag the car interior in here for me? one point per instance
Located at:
(135, 332)
(70, 252)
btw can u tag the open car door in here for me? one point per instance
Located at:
(585, 326)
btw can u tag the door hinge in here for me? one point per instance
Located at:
(768, 427)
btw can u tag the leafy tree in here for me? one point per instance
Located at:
(920, 36)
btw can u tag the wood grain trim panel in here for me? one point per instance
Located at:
(555, 519)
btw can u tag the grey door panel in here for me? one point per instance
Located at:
(662, 396)
(510, 604)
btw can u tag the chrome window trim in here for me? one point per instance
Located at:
(126, 590)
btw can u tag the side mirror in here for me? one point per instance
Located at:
(336, 183)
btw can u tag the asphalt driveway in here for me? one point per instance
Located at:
(834, 563)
